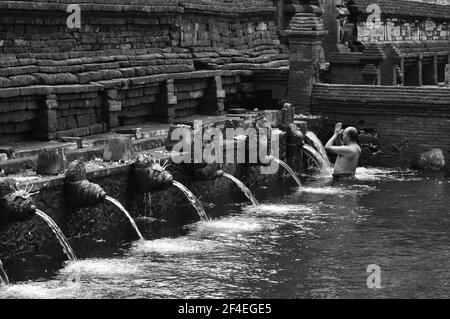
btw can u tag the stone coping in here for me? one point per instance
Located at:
(346, 58)
(160, 7)
(14, 166)
(389, 100)
(48, 89)
(165, 7)
(115, 83)
(407, 8)
(44, 182)
(414, 49)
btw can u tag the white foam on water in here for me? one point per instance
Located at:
(183, 245)
(378, 174)
(39, 290)
(279, 209)
(327, 190)
(231, 225)
(102, 267)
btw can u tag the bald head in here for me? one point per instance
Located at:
(350, 135)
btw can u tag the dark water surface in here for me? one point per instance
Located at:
(311, 242)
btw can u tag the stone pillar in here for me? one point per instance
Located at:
(447, 74)
(112, 107)
(420, 70)
(305, 55)
(402, 70)
(280, 13)
(331, 20)
(430, 76)
(435, 66)
(213, 103)
(47, 118)
(413, 76)
(165, 108)
(430, 71)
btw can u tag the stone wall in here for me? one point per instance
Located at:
(404, 20)
(152, 212)
(120, 46)
(409, 120)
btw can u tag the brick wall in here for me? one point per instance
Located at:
(397, 29)
(119, 42)
(413, 120)
(405, 20)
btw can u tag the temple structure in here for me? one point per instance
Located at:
(74, 71)
(129, 62)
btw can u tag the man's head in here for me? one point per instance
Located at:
(350, 135)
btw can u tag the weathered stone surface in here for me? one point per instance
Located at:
(136, 49)
(51, 161)
(119, 149)
(434, 160)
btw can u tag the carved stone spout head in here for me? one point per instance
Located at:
(79, 191)
(150, 175)
(16, 204)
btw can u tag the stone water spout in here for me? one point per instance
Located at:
(16, 204)
(295, 138)
(150, 175)
(79, 191)
(82, 193)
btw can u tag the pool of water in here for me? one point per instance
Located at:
(310, 242)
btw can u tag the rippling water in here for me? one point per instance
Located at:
(311, 242)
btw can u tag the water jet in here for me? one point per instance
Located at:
(82, 193)
(59, 235)
(315, 142)
(289, 169)
(194, 201)
(244, 188)
(4, 280)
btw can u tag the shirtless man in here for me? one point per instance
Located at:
(348, 154)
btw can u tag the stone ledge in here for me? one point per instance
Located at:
(235, 8)
(407, 8)
(388, 100)
(92, 6)
(137, 81)
(47, 89)
(15, 166)
(227, 11)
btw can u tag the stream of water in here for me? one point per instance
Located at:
(289, 169)
(244, 188)
(4, 280)
(59, 235)
(120, 206)
(318, 159)
(317, 144)
(194, 201)
(311, 242)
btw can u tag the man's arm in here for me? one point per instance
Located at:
(340, 150)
